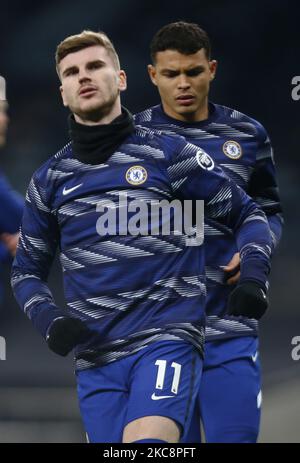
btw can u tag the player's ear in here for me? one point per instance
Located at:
(152, 73)
(213, 64)
(62, 95)
(122, 80)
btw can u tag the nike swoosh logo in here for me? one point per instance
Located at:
(66, 191)
(254, 357)
(159, 397)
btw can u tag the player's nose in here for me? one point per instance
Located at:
(183, 82)
(83, 76)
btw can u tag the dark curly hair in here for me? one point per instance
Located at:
(187, 38)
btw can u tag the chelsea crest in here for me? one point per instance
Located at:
(232, 149)
(136, 175)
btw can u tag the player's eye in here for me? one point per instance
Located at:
(96, 65)
(194, 72)
(70, 72)
(170, 75)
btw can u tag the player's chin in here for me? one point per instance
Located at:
(186, 110)
(92, 102)
(91, 106)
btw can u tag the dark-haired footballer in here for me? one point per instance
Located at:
(182, 69)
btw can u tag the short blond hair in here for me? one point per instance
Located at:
(83, 40)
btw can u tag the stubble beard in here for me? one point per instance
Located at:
(97, 112)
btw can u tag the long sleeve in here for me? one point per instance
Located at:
(39, 237)
(263, 186)
(194, 175)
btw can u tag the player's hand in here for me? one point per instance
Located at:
(232, 269)
(248, 299)
(10, 241)
(64, 334)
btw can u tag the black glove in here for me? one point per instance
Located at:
(248, 299)
(64, 334)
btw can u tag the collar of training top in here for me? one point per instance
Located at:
(95, 144)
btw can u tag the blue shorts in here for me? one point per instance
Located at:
(229, 399)
(162, 379)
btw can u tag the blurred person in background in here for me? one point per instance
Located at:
(182, 70)
(11, 202)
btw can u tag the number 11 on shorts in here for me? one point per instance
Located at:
(162, 366)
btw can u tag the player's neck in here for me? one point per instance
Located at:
(95, 144)
(200, 115)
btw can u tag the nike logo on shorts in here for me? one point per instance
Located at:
(159, 397)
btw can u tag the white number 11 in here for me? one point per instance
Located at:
(162, 365)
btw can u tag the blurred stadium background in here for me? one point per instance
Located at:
(256, 44)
